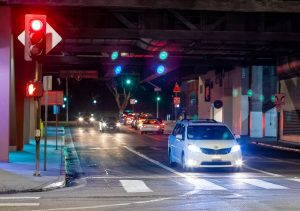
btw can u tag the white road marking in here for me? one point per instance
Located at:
(19, 204)
(202, 184)
(103, 148)
(19, 198)
(54, 185)
(135, 186)
(199, 184)
(294, 179)
(262, 184)
(276, 147)
(261, 171)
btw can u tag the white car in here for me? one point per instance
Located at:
(152, 126)
(204, 143)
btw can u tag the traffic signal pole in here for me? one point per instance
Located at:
(38, 77)
(67, 103)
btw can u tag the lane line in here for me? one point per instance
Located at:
(263, 184)
(19, 198)
(262, 171)
(294, 179)
(19, 204)
(135, 186)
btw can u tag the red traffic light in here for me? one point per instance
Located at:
(36, 25)
(34, 89)
(35, 37)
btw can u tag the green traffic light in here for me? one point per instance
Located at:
(158, 98)
(128, 81)
(65, 99)
(273, 98)
(163, 55)
(250, 93)
(114, 55)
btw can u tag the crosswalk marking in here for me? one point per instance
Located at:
(262, 184)
(202, 184)
(19, 204)
(135, 186)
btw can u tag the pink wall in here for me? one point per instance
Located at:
(5, 36)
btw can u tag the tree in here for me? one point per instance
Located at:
(122, 88)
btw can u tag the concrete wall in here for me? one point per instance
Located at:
(5, 46)
(228, 87)
(291, 88)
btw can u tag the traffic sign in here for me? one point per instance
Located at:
(176, 88)
(47, 82)
(54, 98)
(52, 38)
(157, 89)
(279, 99)
(176, 100)
(133, 101)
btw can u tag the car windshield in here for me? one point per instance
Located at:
(151, 121)
(209, 132)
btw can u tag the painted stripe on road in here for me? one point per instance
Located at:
(261, 171)
(294, 179)
(20, 198)
(262, 184)
(19, 204)
(202, 184)
(135, 186)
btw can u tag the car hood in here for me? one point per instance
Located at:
(214, 144)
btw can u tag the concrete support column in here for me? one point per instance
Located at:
(5, 51)
(256, 113)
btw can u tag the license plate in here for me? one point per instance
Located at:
(216, 158)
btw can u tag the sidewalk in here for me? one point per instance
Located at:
(270, 142)
(17, 175)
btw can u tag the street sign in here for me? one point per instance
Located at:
(54, 98)
(176, 88)
(47, 82)
(133, 101)
(157, 89)
(176, 101)
(56, 110)
(279, 99)
(78, 74)
(52, 38)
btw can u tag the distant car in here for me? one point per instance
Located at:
(128, 119)
(204, 143)
(138, 121)
(109, 124)
(152, 125)
(86, 119)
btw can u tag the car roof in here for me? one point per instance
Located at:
(200, 122)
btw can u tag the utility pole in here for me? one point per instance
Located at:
(67, 103)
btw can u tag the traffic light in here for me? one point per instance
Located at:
(35, 37)
(65, 99)
(114, 55)
(34, 89)
(160, 69)
(250, 93)
(118, 69)
(163, 55)
(158, 98)
(128, 81)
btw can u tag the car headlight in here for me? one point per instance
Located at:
(104, 124)
(92, 119)
(194, 148)
(80, 119)
(118, 124)
(235, 148)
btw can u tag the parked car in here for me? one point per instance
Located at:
(152, 125)
(204, 143)
(109, 124)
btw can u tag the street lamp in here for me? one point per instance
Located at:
(157, 107)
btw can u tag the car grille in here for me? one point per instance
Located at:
(216, 151)
(216, 163)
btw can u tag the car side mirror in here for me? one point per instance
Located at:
(179, 136)
(237, 136)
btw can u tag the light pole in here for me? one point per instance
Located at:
(157, 107)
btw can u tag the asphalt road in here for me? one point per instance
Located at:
(129, 171)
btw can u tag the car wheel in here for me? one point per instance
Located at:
(183, 165)
(171, 162)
